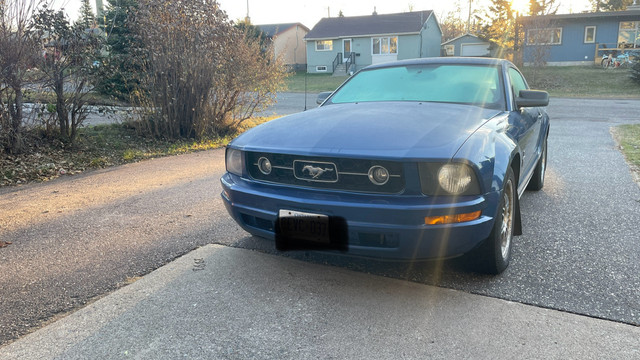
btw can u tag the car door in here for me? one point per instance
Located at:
(527, 122)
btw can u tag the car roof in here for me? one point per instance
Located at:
(443, 60)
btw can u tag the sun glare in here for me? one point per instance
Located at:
(521, 7)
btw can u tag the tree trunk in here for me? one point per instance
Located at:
(16, 143)
(61, 108)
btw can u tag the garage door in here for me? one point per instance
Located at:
(474, 50)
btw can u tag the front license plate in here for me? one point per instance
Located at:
(304, 226)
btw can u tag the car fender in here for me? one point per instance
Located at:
(492, 151)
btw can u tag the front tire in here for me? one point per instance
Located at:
(537, 180)
(495, 252)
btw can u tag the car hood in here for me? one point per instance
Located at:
(406, 130)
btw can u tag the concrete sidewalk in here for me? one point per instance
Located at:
(221, 302)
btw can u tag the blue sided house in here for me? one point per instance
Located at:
(343, 45)
(579, 39)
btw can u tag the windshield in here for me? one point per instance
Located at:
(463, 84)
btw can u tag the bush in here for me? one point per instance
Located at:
(202, 76)
(635, 71)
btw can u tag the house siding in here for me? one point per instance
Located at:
(431, 38)
(573, 50)
(321, 58)
(414, 41)
(290, 47)
(408, 47)
(572, 47)
(362, 48)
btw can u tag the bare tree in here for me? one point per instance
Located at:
(203, 76)
(69, 66)
(452, 25)
(18, 50)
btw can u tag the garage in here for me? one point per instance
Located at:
(474, 49)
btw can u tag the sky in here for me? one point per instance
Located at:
(309, 12)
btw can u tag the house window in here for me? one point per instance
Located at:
(321, 68)
(449, 50)
(550, 36)
(629, 34)
(385, 45)
(589, 34)
(324, 45)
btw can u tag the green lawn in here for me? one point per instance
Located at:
(559, 81)
(628, 137)
(315, 82)
(583, 81)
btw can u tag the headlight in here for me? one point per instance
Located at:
(234, 161)
(378, 175)
(448, 179)
(455, 178)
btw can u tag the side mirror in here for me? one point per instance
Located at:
(323, 96)
(532, 98)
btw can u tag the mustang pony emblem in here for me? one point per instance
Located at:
(315, 172)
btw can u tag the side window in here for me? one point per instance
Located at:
(517, 82)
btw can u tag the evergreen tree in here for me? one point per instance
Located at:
(122, 70)
(499, 28)
(86, 18)
(543, 7)
(610, 5)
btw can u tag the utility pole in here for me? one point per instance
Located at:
(469, 19)
(247, 19)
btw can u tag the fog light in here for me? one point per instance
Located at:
(264, 165)
(452, 219)
(378, 175)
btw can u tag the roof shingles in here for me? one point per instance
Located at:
(340, 27)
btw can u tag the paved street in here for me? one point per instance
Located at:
(78, 238)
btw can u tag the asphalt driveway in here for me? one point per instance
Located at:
(78, 238)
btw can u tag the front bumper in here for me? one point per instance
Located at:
(380, 226)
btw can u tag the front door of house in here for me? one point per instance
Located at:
(346, 48)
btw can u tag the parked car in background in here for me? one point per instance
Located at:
(414, 159)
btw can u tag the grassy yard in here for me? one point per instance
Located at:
(315, 82)
(628, 137)
(583, 81)
(96, 147)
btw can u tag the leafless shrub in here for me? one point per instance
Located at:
(203, 76)
(69, 65)
(18, 50)
(539, 37)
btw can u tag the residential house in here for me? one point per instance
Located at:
(579, 39)
(288, 42)
(346, 44)
(467, 45)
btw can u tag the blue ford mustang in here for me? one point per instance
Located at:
(413, 159)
